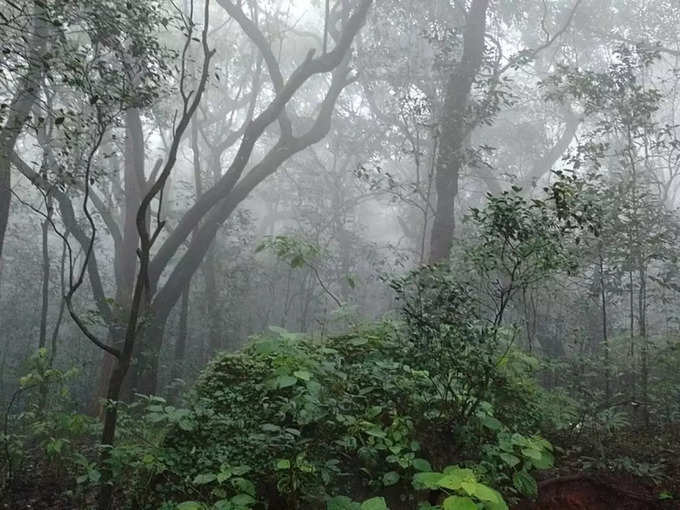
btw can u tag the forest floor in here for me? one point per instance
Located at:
(569, 487)
(653, 473)
(42, 491)
(572, 492)
(597, 492)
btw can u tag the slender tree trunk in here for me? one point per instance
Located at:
(44, 308)
(144, 377)
(605, 336)
(126, 254)
(134, 190)
(109, 433)
(115, 338)
(632, 352)
(455, 126)
(644, 348)
(215, 325)
(181, 342)
(45, 226)
(139, 308)
(19, 112)
(210, 264)
(62, 307)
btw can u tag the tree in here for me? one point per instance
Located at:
(626, 142)
(215, 206)
(455, 125)
(28, 55)
(108, 95)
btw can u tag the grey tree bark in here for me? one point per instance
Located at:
(19, 112)
(455, 125)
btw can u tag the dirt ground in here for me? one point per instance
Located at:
(596, 492)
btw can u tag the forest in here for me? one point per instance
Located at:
(340, 254)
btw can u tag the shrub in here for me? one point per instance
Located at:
(296, 423)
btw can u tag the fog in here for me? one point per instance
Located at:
(200, 197)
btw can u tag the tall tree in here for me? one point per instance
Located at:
(455, 125)
(216, 204)
(25, 53)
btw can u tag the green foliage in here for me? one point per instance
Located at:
(297, 253)
(298, 412)
(510, 461)
(462, 489)
(458, 352)
(523, 240)
(45, 430)
(296, 422)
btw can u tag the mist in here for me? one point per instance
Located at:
(339, 254)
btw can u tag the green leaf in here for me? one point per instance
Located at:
(390, 478)
(454, 477)
(458, 503)
(297, 261)
(374, 504)
(223, 475)
(665, 495)
(466, 473)
(240, 470)
(520, 440)
(282, 464)
(421, 465)
(190, 505)
(482, 492)
(423, 481)
(302, 374)
(525, 484)
(243, 485)
(531, 453)
(342, 503)
(546, 461)
(243, 500)
(376, 432)
(204, 478)
(186, 425)
(509, 459)
(491, 423)
(285, 381)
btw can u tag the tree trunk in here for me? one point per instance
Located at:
(215, 327)
(105, 496)
(181, 342)
(605, 336)
(204, 219)
(144, 376)
(44, 308)
(642, 325)
(126, 253)
(19, 112)
(455, 126)
(134, 190)
(42, 340)
(631, 313)
(210, 265)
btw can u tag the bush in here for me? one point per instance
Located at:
(295, 424)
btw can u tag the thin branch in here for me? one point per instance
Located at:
(68, 297)
(530, 54)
